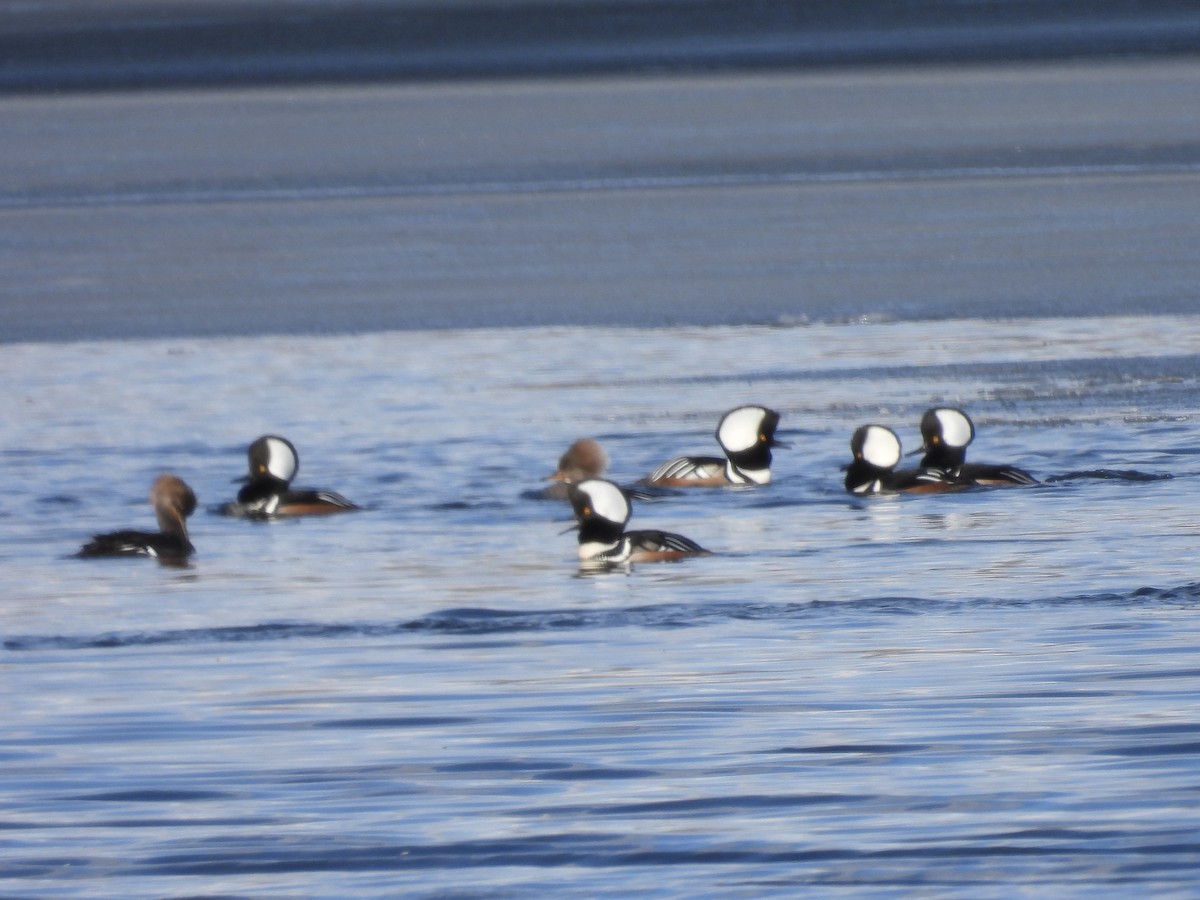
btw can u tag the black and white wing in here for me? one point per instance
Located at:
(987, 474)
(689, 468)
(661, 542)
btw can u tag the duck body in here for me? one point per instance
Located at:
(138, 543)
(173, 502)
(747, 435)
(266, 500)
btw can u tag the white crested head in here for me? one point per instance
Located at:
(878, 446)
(956, 427)
(603, 499)
(274, 456)
(740, 429)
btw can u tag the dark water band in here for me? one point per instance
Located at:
(75, 45)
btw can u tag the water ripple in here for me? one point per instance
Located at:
(481, 621)
(603, 850)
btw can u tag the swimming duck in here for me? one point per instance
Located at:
(173, 502)
(746, 434)
(268, 492)
(946, 433)
(603, 510)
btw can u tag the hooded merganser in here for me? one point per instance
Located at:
(584, 459)
(603, 510)
(946, 433)
(173, 502)
(746, 434)
(273, 465)
(876, 452)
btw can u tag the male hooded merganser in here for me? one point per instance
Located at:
(946, 433)
(876, 452)
(273, 465)
(584, 459)
(746, 434)
(173, 502)
(603, 510)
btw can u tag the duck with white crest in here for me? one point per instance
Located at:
(946, 432)
(747, 435)
(268, 492)
(602, 510)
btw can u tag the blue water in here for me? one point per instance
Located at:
(977, 694)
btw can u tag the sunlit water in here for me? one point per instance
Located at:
(949, 695)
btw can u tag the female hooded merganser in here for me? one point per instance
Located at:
(273, 465)
(603, 510)
(746, 434)
(946, 433)
(876, 452)
(173, 502)
(584, 459)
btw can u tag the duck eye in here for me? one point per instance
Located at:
(587, 510)
(935, 439)
(261, 467)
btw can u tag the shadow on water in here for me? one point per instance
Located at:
(484, 622)
(1109, 475)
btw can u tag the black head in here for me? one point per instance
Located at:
(946, 433)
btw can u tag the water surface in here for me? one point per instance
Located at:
(970, 693)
